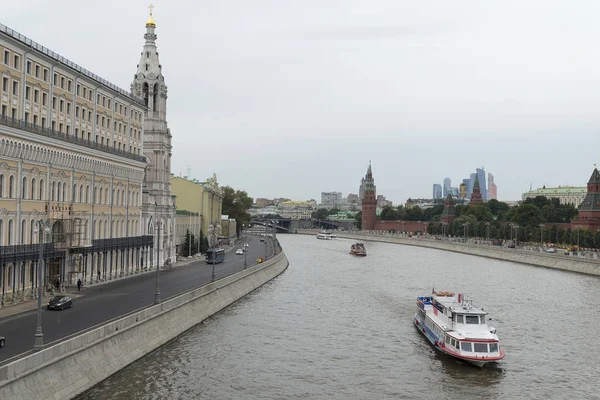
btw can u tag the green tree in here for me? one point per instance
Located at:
(389, 213)
(321, 214)
(203, 243)
(236, 204)
(358, 219)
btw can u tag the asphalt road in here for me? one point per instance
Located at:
(105, 302)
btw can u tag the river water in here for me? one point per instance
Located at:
(334, 326)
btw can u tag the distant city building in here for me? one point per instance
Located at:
(454, 192)
(437, 191)
(470, 185)
(573, 195)
(353, 199)
(382, 202)
(369, 201)
(447, 185)
(331, 198)
(462, 190)
(589, 209)
(482, 184)
(261, 202)
(280, 200)
(492, 189)
(422, 203)
(476, 197)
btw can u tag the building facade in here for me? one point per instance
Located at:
(437, 191)
(492, 189)
(158, 209)
(331, 198)
(369, 201)
(71, 163)
(573, 195)
(482, 183)
(202, 198)
(447, 185)
(476, 197)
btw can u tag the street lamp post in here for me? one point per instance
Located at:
(542, 234)
(487, 224)
(465, 230)
(39, 335)
(214, 226)
(157, 293)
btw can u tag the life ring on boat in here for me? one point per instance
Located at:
(424, 330)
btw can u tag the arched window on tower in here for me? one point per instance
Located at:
(155, 97)
(145, 93)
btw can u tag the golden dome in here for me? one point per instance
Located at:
(150, 21)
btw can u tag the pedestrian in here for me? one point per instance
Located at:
(79, 284)
(98, 274)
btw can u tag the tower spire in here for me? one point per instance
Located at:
(150, 22)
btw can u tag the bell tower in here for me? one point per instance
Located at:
(158, 204)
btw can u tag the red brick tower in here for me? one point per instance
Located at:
(589, 210)
(449, 212)
(369, 202)
(476, 195)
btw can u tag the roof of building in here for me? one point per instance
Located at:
(544, 191)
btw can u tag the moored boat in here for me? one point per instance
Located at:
(457, 328)
(358, 249)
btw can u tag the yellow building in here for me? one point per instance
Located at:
(71, 162)
(204, 198)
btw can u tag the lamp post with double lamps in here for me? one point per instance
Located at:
(42, 228)
(465, 230)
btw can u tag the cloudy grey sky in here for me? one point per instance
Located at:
(291, 98)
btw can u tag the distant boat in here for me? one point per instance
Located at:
(358, 249)
(325, 236)
(457, 329)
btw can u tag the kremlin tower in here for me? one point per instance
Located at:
(369, 201)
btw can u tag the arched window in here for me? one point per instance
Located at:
(42, 190)
(23, 231)
(1, 185)
(106, 199)
(112, 199)
(81, 198)
(95, 195)
(64, 191)
(33, 189)
(11, 237)
(11, 187)
(106, 233)
(24, 188)
(87, 193)
(100, 198)
(32, 233)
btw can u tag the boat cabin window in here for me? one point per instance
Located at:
(447, 339)
(493, 347)
(453, 343)
(480, 347)
(465, 346)
(459, 319)
(472, 319)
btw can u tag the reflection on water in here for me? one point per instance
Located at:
(335, 326)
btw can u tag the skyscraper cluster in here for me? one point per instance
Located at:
(488, 187)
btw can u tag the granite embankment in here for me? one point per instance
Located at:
(64, 370)
(557, 261)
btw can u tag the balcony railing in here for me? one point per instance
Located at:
(110, 244)
(25, 40)
(51, 133)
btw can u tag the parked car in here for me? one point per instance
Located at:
(2, 341)
(550, 250)
(60, 303)
(239, 252)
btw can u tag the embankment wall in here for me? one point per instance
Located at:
(556, 261)
(66, 369)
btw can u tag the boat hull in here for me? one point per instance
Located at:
(440, 346)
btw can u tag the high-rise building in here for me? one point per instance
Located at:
(447, 185)
(331, 198)
(470, 185)
(492, 189)
(462, 190)
(482, 184)
(369, 201)
(158, 204)
(437, 191)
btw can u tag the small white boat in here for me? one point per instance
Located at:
(457, 328)
(325, 236)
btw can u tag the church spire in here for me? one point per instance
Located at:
(150, 22)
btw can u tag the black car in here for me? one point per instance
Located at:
(2, 341)
(60, 303)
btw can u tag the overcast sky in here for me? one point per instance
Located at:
(292, 98)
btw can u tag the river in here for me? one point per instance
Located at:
(334, 326)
